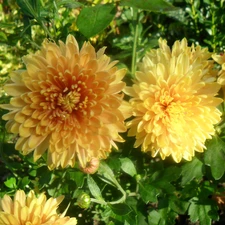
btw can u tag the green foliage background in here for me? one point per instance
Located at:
(130, 187)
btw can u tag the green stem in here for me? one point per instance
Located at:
(213, 28)
(195, 16)
(59, 184)
(135, 43)
(101, 202)
(45, 29)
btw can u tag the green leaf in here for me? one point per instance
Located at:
(214, 157)
(148, 192)
(107, 174)
(30, 8)
(11, 183)
(128, 167)
(191, 170)
(162, 179)
(120, 209)
(33, 173)
(164, 216)
(93, 187)
(25, 181)
(178, 205)
(46, 176)
(69, 3)
(94, 19)
(199, 212)
(77, 176)
(150, 5)
(154, 217)
(3, 36)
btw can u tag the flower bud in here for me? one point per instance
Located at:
(91, 166)
(138, 177)
(84, 200)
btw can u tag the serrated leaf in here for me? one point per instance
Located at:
(191, 170)
(94, 19)
(214, 157)
(93, 187)
(128, 167)
(199, 212)
(162, 179)
(148, 192)
(164, 216)
(150, 5)
(120, 209)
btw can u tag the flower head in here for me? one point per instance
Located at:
(67, 101)
(173, 100)
(27, 210)
(220, 59)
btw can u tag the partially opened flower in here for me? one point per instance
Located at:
(67, 101)
(174, 101)
(32, 210)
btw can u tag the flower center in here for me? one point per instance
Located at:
(66, 102)
(168, 107)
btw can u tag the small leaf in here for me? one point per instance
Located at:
(128, 167)
(93, 187)
(120, 209)
(94, 19)
(11, 183)
(25, 181)
(191, 170)
(150, 5)
(33, 173)
(214, 157)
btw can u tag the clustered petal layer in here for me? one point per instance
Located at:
(67, 101)
(173, 100)
(32, 210)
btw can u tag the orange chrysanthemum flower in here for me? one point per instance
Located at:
(27, 210)
(173, 100)
(67, 101)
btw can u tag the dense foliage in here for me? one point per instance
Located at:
(130, 187)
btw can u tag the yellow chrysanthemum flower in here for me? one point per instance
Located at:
(32, 210)
(173, 100)
(67, 101)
